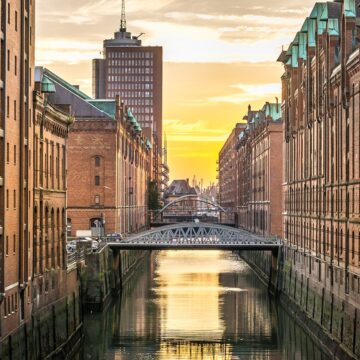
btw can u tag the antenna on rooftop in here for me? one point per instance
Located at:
(123, 17)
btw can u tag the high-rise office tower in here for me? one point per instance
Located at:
(16, 174)
(134, 72)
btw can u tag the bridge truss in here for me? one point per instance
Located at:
(198, 236)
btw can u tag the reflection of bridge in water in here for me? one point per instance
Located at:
(203, 236)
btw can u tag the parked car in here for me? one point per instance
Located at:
(83, 238)
(71, 246)
(114, 237)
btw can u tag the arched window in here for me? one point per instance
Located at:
(97, 161)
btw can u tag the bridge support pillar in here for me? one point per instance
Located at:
(116, 270)
(275, 271)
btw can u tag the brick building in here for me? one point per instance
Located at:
(259, 171)
(322, 132)
(51, 279)
(16, 202)
(227, 176)
(108, 163)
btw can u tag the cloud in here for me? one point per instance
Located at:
(179, 131)
(250, 93)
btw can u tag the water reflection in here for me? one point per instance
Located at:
(196, 305)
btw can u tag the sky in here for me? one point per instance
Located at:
(219, 57)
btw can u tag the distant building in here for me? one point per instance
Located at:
(227, 175)
(259, 155)
(134, 72)
(182, 201)
(108, 163)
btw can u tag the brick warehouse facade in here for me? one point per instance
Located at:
(50, 131)
(16, 121)
(259, 172)
(35, 282)
(108, 163)
(322, 174)
(227, 176)
(321, 168)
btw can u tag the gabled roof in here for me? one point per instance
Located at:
(65, 84)
(272, 110)
(180, 188)
(325, 16)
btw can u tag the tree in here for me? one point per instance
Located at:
(154, 196)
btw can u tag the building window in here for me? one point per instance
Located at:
(8, 60)
(7, 198)
(9, 12)
(97, 161)
(7, 245)
(15, 65)
(97, 199)
(14, 243)
(7, 107)
(14, 154)
(97, 180)
(14, 109)
(14, 198)
(7, 152)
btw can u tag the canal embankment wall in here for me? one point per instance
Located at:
(54, 330)
(331, 318)
(105, 273)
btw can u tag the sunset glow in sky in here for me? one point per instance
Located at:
(219, 56)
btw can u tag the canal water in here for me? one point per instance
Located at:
(196, 305)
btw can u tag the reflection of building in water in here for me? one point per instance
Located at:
(195, 350)
(183, 292)
(246, 313)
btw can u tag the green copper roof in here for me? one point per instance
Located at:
(350, 8)
(106, 106)
(272, 110)
(304, 28)
(47, 86)
(57, 79)
(133, 121)
(323, 18)
(333, 27)
(302, 45)
(294, 56)
(311, 33)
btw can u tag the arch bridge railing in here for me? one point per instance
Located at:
(195, 198)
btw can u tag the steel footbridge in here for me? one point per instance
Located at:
(196, 236)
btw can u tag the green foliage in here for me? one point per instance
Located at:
(154, 196)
